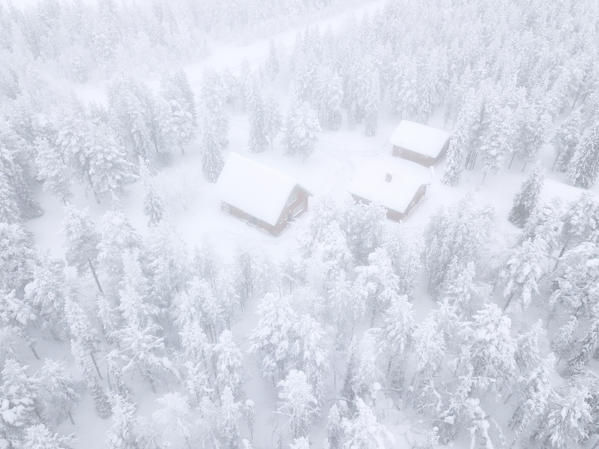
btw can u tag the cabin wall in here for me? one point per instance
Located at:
(419, 194)
(250, 219)
(416, 157)
(293, 209)
(289, 213)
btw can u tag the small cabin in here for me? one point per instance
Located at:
(398, 193)
(419, 143)
(260, 195)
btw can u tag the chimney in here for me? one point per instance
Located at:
(388, 177)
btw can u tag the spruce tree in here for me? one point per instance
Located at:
(82, 241)
(179, 113)
(297, 402)
(153, 206)
(329, 98)
(52, 168)
(211, 147)
(566, 141)
(526, 200)
(57, 392)
(17, 257)
(584, 167)
(39, 436)
(301, 130)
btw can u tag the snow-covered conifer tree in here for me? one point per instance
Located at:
(52, 168)
(16, 180)
(57, 392)
(329, 98)
(376, 283)
(199, 304)
(496, 140)
(211, 147)
(584, 165)
(81, 242)
(140, 351)
(455, 236)
(174, 417)
(106, 165)
(228, 363)
(301, 130)
(85, 364)
(297, 402)
(523, 271)
(17, 257)
(45, 293)
(116, 237)
(587, 347)
(39, 436)
(362, 225)
(274, 335)
(533, 394)
(228, 420)
(9, 209)
(18, 390)
(81, 329)
(154, 206)
(397, 335)
(545, 223)
(133, 113)
(364, 431)
(166, 263)
(125, 431)
(265, 122)
(566, 141)
(460, 289)
(575, 279)
(567, 419)
(581, 222)
(527, 198)
(490, 349)
(564, 338)
(179, 114)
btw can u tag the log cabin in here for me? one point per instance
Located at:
(260, 195)
(419, 143)
(398, 193)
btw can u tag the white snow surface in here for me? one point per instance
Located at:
(370, 182)
(419, 138)
(256, 189)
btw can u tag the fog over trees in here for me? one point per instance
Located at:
(340, 290)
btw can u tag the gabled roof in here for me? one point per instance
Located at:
(419, 138)
(256, 189)
(392, 189)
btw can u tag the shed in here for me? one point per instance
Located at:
(399, 193)
(419, 143)
(259, 194)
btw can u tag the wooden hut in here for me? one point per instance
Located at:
(398, 193)
(260, 195)
(419, 143)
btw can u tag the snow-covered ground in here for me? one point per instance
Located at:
(194, 214)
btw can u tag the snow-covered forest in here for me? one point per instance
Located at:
(142, 308)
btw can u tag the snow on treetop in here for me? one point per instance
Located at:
(256, 189)
(419, 138)
(388, 186)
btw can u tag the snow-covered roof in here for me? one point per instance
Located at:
(389, 188)
(419, 138)
(256, 189)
